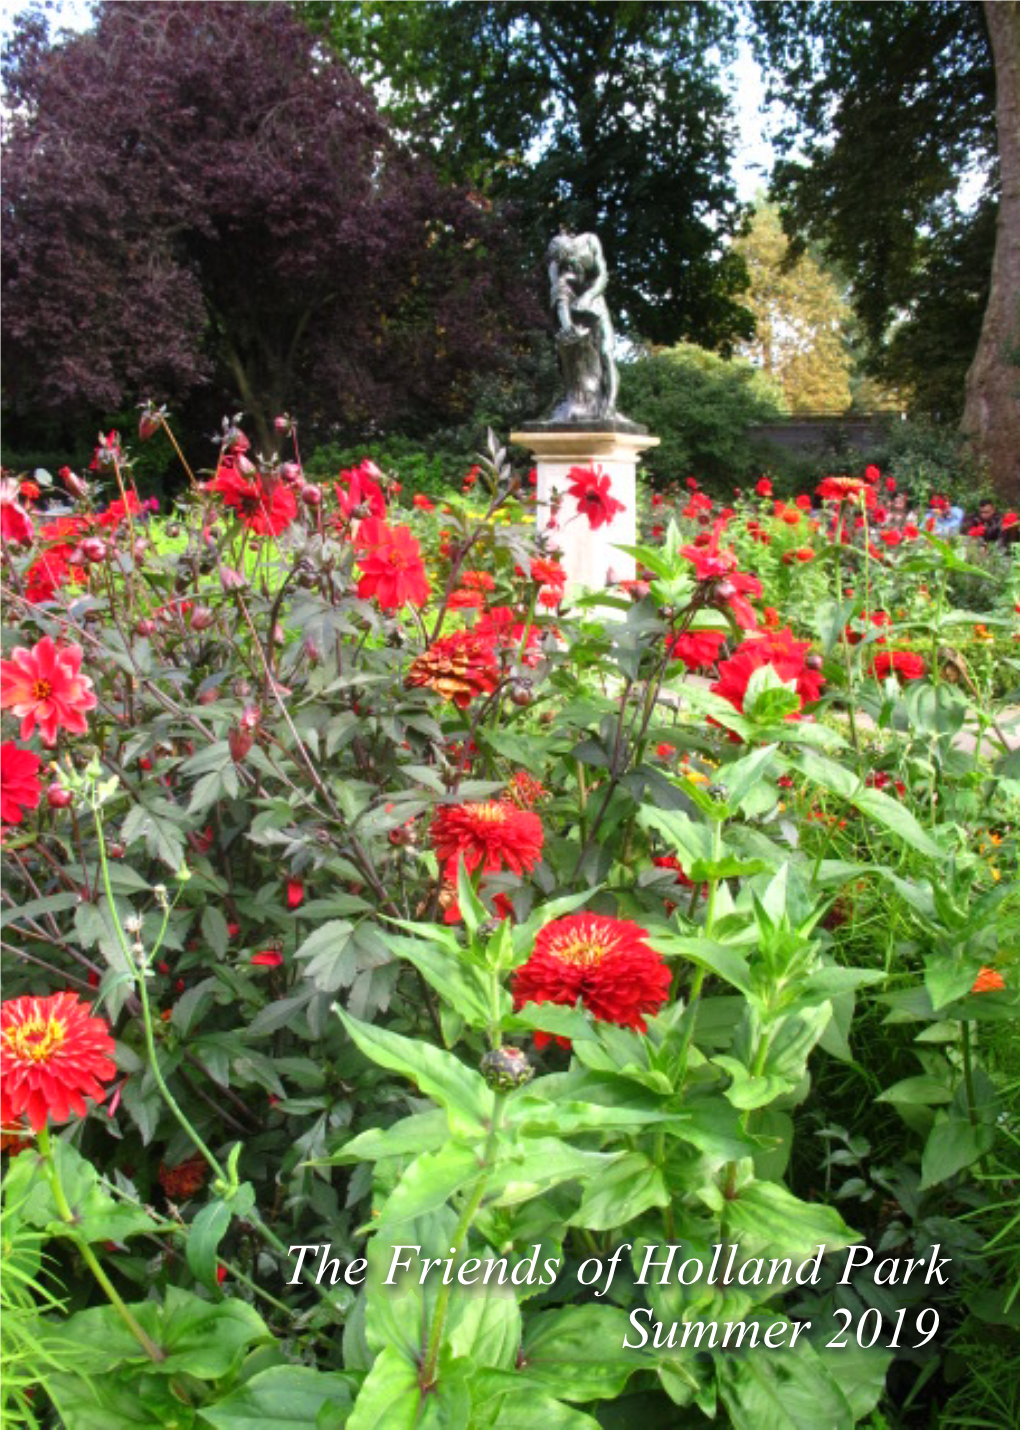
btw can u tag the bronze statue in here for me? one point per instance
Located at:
(578, 277)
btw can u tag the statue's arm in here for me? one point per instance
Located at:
(600, 279)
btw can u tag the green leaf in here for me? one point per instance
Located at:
(430, 1180)
(499, 1401)
(577, 1352)
(98, 1215)
(204, 1236)
(953, 1143)
(325, 953)
(923, 1091)
(784, 1390)
(486, 1328)
(621, 1193)
(214, 929)
(769, 1221)
(390, 1395)
(461, 986)
(525, 1169)
(468, 1102)
(157, 824)
(284, 1397)
(886, 811)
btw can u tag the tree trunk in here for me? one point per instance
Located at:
(991, 416)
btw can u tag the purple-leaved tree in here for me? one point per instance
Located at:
(195, 195)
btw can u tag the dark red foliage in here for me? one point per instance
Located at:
(193, 195)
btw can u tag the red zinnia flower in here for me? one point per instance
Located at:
(53, 1054)
(764, 487)
(590, 488)
(390, 559)
(465, 600)
(184, 1179)
(803, 501)
(872, 473)
(891, 537)
(547, 573)
(15, 523)
(422, 502)
(262, 511)
(846, 489)
(458, 667)
(903, 662)
(493, 834)
(43, 687)
(19, 782)
(786, 657)
(478, 581)
(989, 980)
(602, 961)
(525, 791)
(697, 649)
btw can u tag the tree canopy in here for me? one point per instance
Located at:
(195, 197)
(800, 316)
(611, 117)
(891, 108)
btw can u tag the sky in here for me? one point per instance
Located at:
(752, 160)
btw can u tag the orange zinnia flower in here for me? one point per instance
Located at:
(53, 1054)
(43, 687)
(989, 980)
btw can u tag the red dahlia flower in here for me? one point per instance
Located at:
(459, 667)
(493, 834)
(763, 487)
(901, 662)
(295, 893)
(53, 1054)
(15, 523)
(783, 653)
(803, 501)
(43, 687)
(119, 511)
(263, 511)
(602, 961)
(359, 486)
(590, 488)
(697, 649)
(503, 627)
(19, 782)
(390, 559)
(478, 581)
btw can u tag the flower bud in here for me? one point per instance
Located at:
(291, 472)
(140, 547)
(232, 580)
(311, 495)
(57, 797)
(201, 618)
(813, 662)
(148, 426)
(145, 627)
(521, 693)
(724, 591)
(74, 484)
(209, 697)
(281, 424)
(239, 742)
(506, 1068)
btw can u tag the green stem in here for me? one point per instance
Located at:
(428, 1371)
(67, 1216)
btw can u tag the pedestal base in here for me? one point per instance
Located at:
(589, 557)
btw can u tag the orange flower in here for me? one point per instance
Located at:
(53, 1054)
(989, 980)
(459, 667)
(43, 687)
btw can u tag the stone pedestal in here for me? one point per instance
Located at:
(588, 556)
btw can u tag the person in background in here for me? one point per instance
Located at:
(986, 524)
(947, 519)
(901, 512)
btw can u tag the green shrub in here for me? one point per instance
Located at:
(701, 406)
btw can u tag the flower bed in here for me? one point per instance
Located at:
(400, 960)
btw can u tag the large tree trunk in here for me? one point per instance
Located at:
(992, 413)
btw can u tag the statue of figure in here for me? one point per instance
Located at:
(578, 277)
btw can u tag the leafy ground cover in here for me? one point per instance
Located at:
(401, 957)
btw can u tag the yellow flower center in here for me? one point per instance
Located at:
(42, 689)
(585, 949)
(492, 811)
(35, 1040)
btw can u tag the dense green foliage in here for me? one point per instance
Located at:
(609, 117)
(701, 406)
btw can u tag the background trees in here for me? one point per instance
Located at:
(610, 117)
(801, 317)
(891, 106)
(194, 198)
